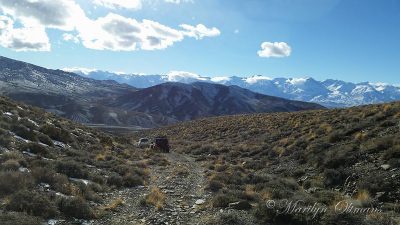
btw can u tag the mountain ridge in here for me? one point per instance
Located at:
(330, 92)
(201, 99)
(90, 101)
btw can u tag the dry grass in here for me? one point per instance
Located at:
(156, 198)
(113, 205)
(181, 171)
(363, 195)
(101, 157)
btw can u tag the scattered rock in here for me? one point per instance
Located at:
(200, 202)
(380, 194)
(313, 190)
(24, 170)
(302, 179)
(385, 166)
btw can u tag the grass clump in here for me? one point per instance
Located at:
(155, 198)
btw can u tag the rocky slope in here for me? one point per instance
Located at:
(52, 168)
(67, 94)
(330, 93)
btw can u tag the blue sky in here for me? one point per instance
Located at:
(352, 40)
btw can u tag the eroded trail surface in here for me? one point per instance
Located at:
(182, 182)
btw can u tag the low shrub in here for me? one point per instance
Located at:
(36, 148)
(16, 218)
(76, 207)
(115, 180)
(14, 181)
(45, 139)
(5, 141)
(222, 200)
(33, 203)
(215, 186)
(334, 177)
(10, 165)
(72, 169)
(56, 133)
(58, 182)
(336, 136)
(24, 132)
(334, 218)
(393, 152)
(227, 219)
(132, 180)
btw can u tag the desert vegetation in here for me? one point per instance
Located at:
(322, 157)
(329, 157)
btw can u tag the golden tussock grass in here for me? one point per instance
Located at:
(113, 205)
(156, 198)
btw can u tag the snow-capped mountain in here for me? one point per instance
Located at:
(107, 102)
(330, 93)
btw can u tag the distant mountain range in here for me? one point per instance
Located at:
(330, 93)
(108, 102)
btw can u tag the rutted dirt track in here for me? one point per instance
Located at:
(182, 188)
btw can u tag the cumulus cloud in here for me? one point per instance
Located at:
(80, 70)
(184, 76)
(200, 31)
(118, 33)
(24, 38)
(60, 14)
(112, 32)
(115, 4)
(274, 49)
(256, 79)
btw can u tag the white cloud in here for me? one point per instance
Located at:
(200, 31)
(24, 38)
(60, 14)
(114, 4)
(178, 1)
(274, 49)
(118, 33)
(183, 76)
(112, 32)
(80, 70)
(256, 79)
(70, 37)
